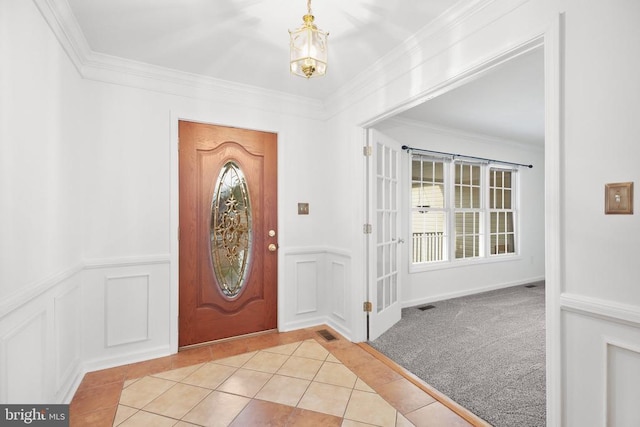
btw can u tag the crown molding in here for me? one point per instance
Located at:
(489, 139)
(111, 69)
(391, 65)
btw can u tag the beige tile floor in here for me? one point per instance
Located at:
(294, 379)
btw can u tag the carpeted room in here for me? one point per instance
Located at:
(485, 351)
(482, 343)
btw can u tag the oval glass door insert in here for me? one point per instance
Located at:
(231, 237)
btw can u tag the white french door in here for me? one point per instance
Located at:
(383, 278)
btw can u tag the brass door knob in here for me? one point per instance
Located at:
(272, 247)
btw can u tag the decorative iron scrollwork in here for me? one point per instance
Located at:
(230, 232)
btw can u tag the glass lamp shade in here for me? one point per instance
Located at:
(308, 50)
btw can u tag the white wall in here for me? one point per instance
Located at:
(600, 292)
(591, 85)
(71, 146)
(444, 281)
(89, 206)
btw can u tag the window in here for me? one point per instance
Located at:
(501, 211)
(456, 205)
(428, 211)
(467, 212)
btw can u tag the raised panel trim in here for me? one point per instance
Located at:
(339, 287)
(600, 308)
(4, 348)
(145, 336)
(610, 343)
(313, 288)
(35, 289)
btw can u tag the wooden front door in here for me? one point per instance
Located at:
(228, 232)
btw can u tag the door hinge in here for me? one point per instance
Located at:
(367, 306)
(367, 151)
(366, 229)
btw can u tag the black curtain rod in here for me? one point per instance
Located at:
(453, 155)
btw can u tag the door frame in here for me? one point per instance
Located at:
(174, 216)
(551, 39)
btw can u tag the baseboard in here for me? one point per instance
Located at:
(73, 383)
(464, 293)
(346, 333)
(302, 324)
(126, 359)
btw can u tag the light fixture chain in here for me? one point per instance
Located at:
(309, 7)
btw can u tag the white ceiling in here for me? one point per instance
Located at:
(506, 103)
(247, 42)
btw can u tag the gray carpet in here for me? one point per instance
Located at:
(484, 351)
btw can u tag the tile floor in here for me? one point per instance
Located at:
(276, 379)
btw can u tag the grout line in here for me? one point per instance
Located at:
(443, 399)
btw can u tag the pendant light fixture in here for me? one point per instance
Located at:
(308, 48)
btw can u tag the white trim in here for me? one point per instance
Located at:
(40, 315)
(608, 343)
(388, 66)
(30, 292)
(470, 74)
(308, 250)
(476, 137)
(125, 359)
(111, 69)
(126, 261)
(554, 227)
(107, 290)
(551, 40)
(601, 309)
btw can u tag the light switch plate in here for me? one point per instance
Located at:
(303, 208)
(618, 198)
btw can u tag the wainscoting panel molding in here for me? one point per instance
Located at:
(125, 311)
(603, 341)
(306, 286)
(24, 364)
(338, 269)
(622, 384)
(315, 288)
(126, 308)
(66, 315)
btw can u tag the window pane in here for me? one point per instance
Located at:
(509, 221)
(415, 170)
(498, 179)
(427, 171)
(507, 199)
(428, 237)
(475, 197)
(511, 247)
(507, 179)
(476, 176)
(459, 223)
(439, 172)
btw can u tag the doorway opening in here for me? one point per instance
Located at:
(429, 125)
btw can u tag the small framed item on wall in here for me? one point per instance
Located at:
(618, 198)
